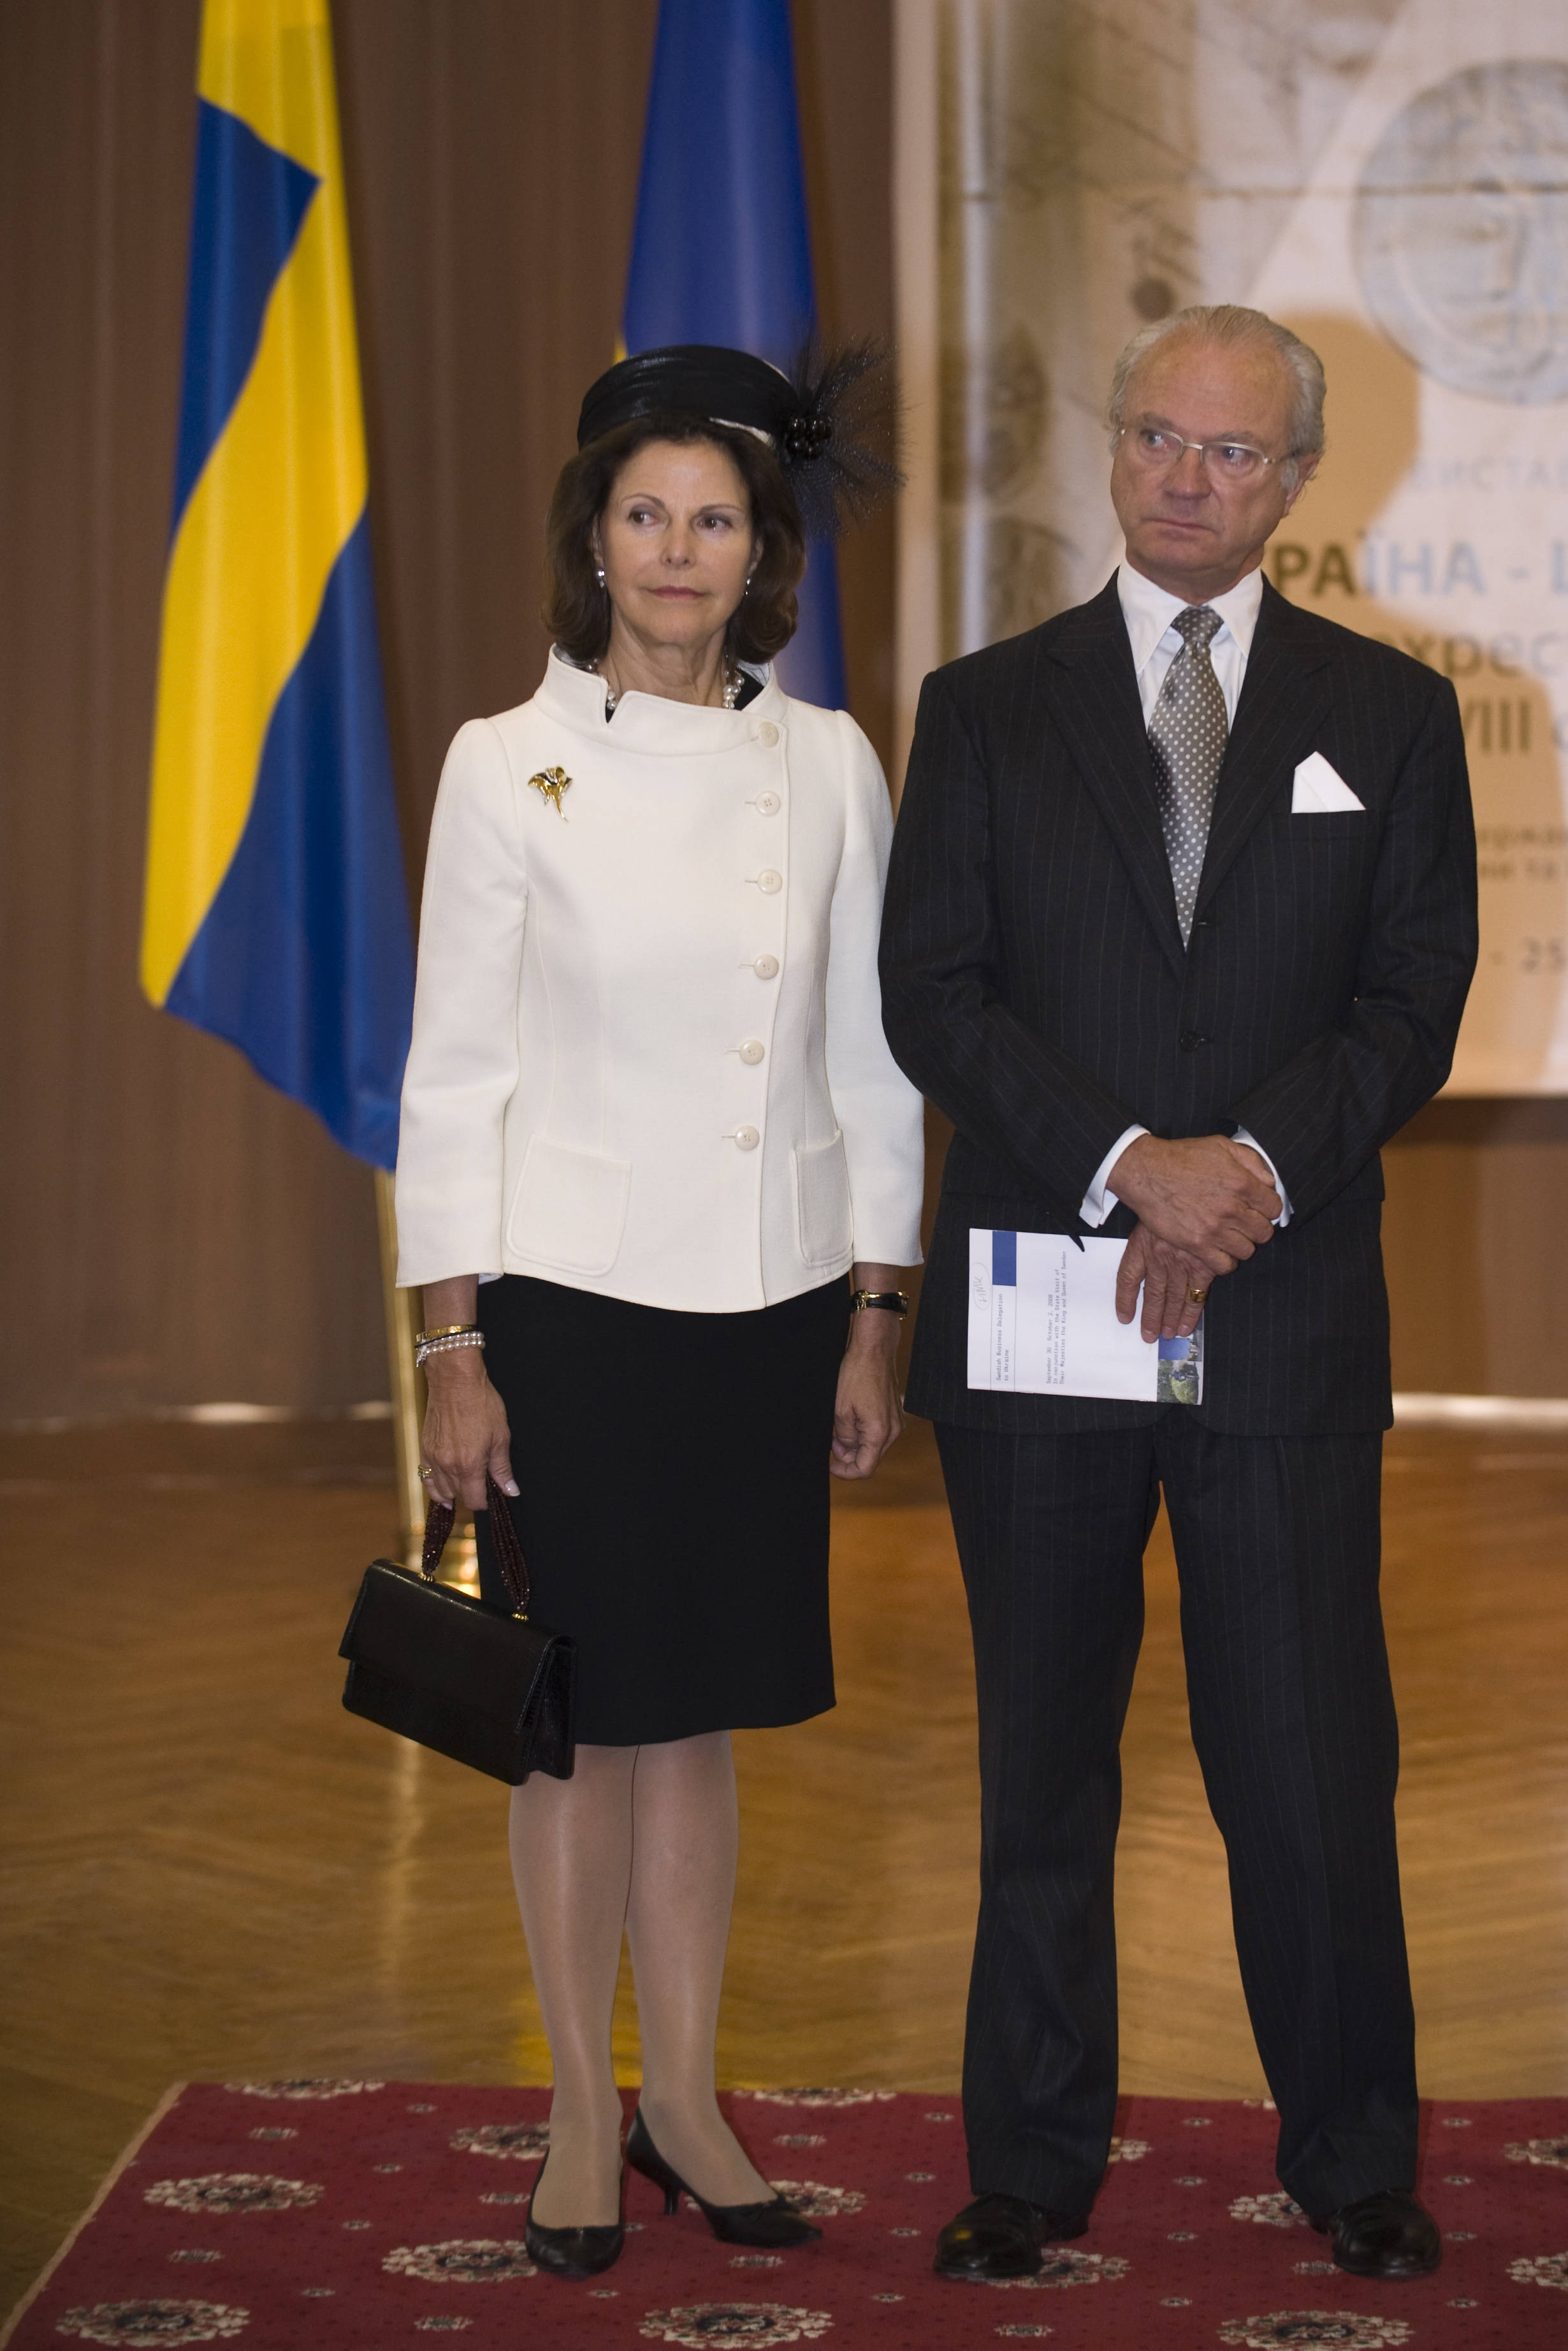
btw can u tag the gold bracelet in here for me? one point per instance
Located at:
(894, 1301)
(443, 1330)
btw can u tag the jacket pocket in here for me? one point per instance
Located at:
(569, 1208)
(1330, 824)
(822, 1201)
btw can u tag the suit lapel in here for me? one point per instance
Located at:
(1096, 708)
(1282, 697)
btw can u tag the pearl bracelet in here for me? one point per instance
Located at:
(449, 1345)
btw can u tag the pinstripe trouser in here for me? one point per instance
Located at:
(1276, 1542)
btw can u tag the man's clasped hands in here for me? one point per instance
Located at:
(1202, 1206)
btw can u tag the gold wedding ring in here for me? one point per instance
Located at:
(1196, 1297)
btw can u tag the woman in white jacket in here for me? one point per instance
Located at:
(650, 1123)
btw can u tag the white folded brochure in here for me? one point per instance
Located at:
(1042, 1322)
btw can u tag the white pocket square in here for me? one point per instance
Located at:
(1319, 792)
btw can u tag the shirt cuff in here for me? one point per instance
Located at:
(1098, 1202)
(1283, 1218)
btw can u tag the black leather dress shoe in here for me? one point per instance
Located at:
(1000, 2236)
(1383, 2236)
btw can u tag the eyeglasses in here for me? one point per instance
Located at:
(1157, 450)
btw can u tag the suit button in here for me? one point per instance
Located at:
(767, 803)
(747, 1137)
(1204, 923)
(1191, 1039)
(769, 883)
(751, 1051)
(766, 967)
(767, 733)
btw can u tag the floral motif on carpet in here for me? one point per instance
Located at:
(381, 2223)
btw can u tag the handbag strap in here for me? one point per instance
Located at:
(509, 1557)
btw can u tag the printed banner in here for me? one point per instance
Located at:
(1390, 177)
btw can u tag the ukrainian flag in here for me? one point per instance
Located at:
(722, 251)
(276, 911)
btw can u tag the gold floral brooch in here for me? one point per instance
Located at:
(551, 782)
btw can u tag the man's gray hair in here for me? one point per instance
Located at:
(1231, 327)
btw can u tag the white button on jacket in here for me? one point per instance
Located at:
(598, 1092)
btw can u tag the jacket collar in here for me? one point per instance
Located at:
(1099, 714)
(1277, 722)
(574, 698)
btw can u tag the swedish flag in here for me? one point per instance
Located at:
(276, 912)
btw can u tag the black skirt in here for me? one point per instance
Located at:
(674, 1510)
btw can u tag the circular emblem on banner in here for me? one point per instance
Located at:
(1459, 228)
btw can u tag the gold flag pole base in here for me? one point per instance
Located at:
(460, 1562)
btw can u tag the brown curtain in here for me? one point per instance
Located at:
(174, 1232)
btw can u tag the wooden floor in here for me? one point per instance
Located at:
(211, 1870)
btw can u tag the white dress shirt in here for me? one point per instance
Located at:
(1149, 613)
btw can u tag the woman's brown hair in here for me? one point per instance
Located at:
(577, 608)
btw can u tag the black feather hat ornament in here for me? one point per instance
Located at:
(832, 418)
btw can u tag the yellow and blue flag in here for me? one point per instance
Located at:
(722, 251)
(276, 912)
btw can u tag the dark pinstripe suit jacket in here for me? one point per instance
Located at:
(1035, 986)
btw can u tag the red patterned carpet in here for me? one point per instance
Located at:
(360, 2213)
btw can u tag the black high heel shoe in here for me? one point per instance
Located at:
(571, 2253)
(774, 2222)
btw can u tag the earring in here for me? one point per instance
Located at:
(746, 589)
(598, 574)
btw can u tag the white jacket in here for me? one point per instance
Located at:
(648, 1056)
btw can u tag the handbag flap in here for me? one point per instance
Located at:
(434, 1639)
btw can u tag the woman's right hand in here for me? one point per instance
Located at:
(465, 1430)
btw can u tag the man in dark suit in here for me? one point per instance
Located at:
(1180, 926)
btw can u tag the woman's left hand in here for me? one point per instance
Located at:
(868, 1416)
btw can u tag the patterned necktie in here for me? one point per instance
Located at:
(1186, 736)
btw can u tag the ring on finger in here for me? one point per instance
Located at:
(425, 1472)
(1196, 1297)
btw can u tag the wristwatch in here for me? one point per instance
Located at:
(892, 1301)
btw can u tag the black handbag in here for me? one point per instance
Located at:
(477, 1683)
